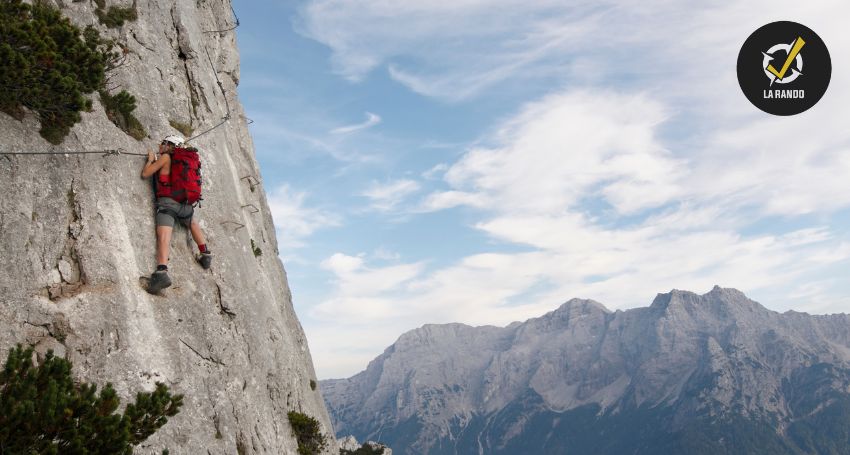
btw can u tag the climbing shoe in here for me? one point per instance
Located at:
(205, 259)
(159, 281)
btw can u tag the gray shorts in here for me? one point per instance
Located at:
(168, 210)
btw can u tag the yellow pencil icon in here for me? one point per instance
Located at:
(795, 49)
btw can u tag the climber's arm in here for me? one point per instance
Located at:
(153, 164)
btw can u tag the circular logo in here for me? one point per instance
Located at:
(771, 73)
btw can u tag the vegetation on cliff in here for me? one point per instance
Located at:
(48, 65)
(42, 410)
(311, 440)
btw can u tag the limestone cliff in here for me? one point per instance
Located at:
(78, 235)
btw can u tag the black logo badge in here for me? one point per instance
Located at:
(784, 68)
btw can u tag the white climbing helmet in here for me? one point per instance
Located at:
(174, 140)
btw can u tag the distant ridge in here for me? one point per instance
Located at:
(716, 373)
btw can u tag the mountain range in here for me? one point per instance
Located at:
(716, 374)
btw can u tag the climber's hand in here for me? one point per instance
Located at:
(151, 156)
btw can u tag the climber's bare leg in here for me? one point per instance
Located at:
(197, 233)
(163, 241)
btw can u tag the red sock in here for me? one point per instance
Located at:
(202, 248)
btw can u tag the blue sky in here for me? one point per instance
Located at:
(483, 162)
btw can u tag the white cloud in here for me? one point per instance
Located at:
(281, 141)
(455, 49)
(446, 295)
(435, 171)
(584, 179)
(448, 199)
(563, 147)
(387, 196)
(363, 292)
(384, 254)
(341, 264)
(371, 120)
(294, 222)
(782, 167)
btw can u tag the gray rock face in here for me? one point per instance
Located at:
(348, 443)
(454, 388)
(78, 234)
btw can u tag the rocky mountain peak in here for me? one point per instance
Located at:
(718, 300)
(581, 306)
(718, 362)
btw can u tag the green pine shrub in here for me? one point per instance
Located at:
(311, 440)
(115, 16)
(119, 109)
(47, 65)
(42, 410)
(363, 450)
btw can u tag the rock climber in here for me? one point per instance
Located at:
(177, 173)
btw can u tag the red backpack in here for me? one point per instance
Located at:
(186, 175)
